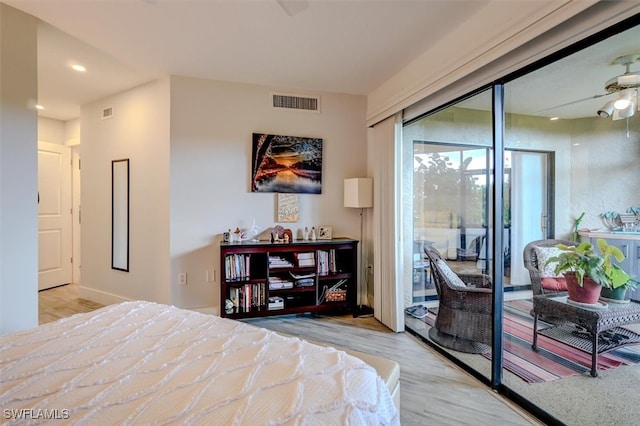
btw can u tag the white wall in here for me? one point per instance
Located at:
(18, 171)
(72, 132)
(50, 130)
(189, 143)
(605, 173)
(211, 129)
(60, 132)
(139, 131)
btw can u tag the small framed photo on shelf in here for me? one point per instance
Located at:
(325, 233)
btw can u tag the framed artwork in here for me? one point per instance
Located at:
(325, 233)
(288, 208)
(286, 164)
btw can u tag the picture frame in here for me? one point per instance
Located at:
(288, 207)
(290, 164)
(325, 233)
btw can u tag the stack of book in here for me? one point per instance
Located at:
(306, 259)
(277, 283)
(306, 280)
(279, 262)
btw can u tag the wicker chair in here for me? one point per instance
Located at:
(464, 320)
(531, 263)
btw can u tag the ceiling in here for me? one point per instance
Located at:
(308, 45)
(335, 46)
(573, 87)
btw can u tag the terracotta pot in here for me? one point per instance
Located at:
(589, 292)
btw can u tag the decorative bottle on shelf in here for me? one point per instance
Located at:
(313, 233)
(305, 233)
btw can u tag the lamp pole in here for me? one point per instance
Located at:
(363, 310)
(358, 193)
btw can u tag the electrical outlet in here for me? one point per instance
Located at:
(182, 278)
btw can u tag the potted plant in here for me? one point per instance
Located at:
(588, 273)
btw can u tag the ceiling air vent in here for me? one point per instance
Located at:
(107, 113)
(300, 103)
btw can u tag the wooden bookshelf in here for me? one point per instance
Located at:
(307, 276)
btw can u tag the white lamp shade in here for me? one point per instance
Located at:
(358, 193)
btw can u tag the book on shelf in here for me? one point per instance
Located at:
(277, 283)
(301, 276)
(327, 262)
(279, 262)
(237, 267)
(305, 259)
(248, 297)
(305, 282)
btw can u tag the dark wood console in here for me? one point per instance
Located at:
(263, 278)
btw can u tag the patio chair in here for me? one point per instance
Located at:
(543, 279)
(464, 319)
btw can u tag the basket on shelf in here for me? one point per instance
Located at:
(334, 293)
(336, 296)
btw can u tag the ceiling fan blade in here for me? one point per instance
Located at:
(571, 103)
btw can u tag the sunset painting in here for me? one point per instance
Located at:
(286, 164)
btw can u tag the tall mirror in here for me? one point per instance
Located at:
(120, 214)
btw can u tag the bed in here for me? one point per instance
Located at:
(146, 363)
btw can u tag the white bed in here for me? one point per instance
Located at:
(146, 363)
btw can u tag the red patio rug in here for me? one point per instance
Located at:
(553, 360)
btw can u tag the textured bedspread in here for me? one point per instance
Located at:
(146, 363)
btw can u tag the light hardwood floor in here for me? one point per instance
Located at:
(433, 391)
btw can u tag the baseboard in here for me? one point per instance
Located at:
(98, 296)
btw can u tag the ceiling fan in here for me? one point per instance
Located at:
(625, 85)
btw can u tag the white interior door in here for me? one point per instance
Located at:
(54, 215)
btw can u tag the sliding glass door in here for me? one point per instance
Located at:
(569, 163)
(449, 185)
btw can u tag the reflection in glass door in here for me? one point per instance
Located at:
(449, 209)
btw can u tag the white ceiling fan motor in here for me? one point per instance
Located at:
(630, 79)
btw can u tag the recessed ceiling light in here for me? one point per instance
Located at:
(39, 107)
(79, 68)
(554, 118)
